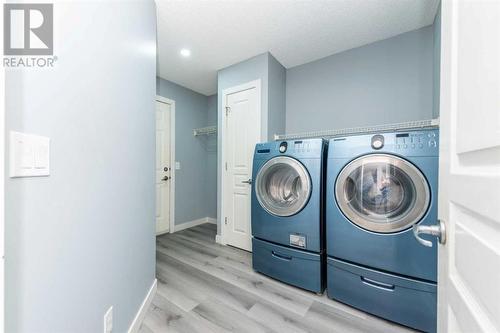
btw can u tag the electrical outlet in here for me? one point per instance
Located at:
(108, 320)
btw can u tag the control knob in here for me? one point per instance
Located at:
(377, 141)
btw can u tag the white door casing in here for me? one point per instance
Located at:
(469, 261)
(164, 165)
(241, 131)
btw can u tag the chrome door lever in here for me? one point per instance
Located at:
(249, 181)
(438, 230)
(165, 178)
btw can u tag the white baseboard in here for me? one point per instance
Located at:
(141, 314)
(190, 224)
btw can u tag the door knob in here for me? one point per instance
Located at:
(249, 181)
(165, 178)
(438, 230)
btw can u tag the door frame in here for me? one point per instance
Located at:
(170, 102)
(228, 91)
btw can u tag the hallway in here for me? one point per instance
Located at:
(206, 287)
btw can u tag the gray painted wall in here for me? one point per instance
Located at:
(82, 239)
(437, 63)
(384, 82)
(277, 97)
(211, 171)
(191, 184)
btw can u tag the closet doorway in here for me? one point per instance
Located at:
(165, 165)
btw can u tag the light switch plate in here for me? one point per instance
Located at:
(177, 165)
(29, 155)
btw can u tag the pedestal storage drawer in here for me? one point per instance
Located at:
(295, 267)
(403, 300)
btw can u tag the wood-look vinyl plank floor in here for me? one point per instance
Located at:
(207, 287)
(251, 282)
(164, 316)
(176, 295)
(227, 319)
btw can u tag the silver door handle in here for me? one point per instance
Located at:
(165, 178)
(438, 230)
(249, 181)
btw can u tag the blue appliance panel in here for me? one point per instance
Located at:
(406, 301)
(308, 223)
(299, 268)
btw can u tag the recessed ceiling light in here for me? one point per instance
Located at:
(185, 52)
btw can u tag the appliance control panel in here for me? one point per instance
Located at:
(306, 148)
(416, 140)
(420, 142)
(302, 146)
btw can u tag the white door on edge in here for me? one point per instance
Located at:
(163, 167)
(242, 132)
(469, 203)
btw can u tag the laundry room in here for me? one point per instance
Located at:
(250, 166)
(259, 144)
(390, 78)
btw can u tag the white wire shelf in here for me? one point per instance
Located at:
(360, 130)
(210, 130)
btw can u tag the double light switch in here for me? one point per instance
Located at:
(29, 155)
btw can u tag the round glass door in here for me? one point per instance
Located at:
(382, 193)
(283, 186)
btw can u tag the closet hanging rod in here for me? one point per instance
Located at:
(360, 130)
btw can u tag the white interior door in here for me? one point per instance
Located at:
(163, 167)
(469, 262)
(242, 132)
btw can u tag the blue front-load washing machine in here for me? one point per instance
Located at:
(378, 188)
(288, 213)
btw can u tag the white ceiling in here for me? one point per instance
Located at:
(220, 33)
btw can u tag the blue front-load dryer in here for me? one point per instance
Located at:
(288, 212)
(379, 187)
